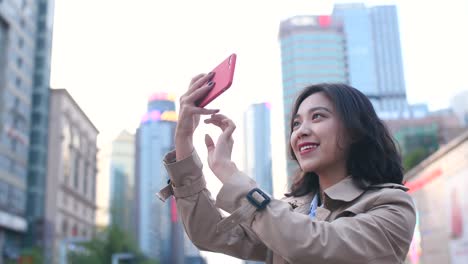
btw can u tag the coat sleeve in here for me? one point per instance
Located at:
(200, 216)
(380, 235)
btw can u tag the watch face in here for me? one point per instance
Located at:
(258, 198)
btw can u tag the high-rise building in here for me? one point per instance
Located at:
(20, 32)
(37, 166)
(459, 104)
(312, 51)
(122, 182)
(258, 148)
(71, 174)
(258, 145)
(374, 55)
(159, 232)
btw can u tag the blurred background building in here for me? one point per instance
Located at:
(258, 145)
(160, 234)
(39, 230)
(459, 104)
(312, 51)
(25, 40)
(373, 52)
(257, 155)
(439, 187)
(71, 174)
(122, 182)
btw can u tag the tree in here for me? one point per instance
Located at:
(415, 157)
(104, 245)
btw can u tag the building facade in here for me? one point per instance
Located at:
(439, 187)
(122, 182)
(71, 174)
(159, 233)
(19, 31)
(429, 132)
(459, 104)
(37, 165)
(258, 145)
(258, 148)
(313, 50)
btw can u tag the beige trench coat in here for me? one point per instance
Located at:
(355, 226)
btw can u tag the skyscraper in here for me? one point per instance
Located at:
(258, 145)
(122, 173)
(374, 55)
(159, 233)
(258, 148)
(37, 168)
(20, 30)
(312, 51)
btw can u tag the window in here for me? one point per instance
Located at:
(4, 162)
(66, 136)
(3, 193)
(64, 227)
(18, 82)
(35, 138)
(39, 62)
(19, 62)
(17, 200)
(40, 43)
(20, 42)
(37, 100)
(43, 7)
(85, 178)
(37, 79)
(75, 230)
(76, 170)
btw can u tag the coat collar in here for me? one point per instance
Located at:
(346, 190)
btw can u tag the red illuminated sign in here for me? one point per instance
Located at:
(324, 21)
(420, 183)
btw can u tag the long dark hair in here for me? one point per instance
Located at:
(373, 157)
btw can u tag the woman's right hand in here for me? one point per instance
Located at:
(189, 114)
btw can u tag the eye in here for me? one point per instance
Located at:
(295, 124)
(317, 115)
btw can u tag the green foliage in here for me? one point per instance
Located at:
(415, 157)
(104, 245)
(29, 256)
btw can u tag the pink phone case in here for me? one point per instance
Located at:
(224, 74)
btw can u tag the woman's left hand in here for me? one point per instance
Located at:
(219, 155)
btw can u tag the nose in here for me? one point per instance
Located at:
(303, 131)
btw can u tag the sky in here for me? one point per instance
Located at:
(111, 55)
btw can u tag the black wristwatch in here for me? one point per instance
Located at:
(258, 198)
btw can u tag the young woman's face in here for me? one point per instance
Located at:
(316, 133)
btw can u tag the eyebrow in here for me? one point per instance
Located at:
(313, 109)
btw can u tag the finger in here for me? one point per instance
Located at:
(199, 82)
(217, 120)
(229, 130)
(209, 143)
(196, 78)
(193, 110)
(199, 93)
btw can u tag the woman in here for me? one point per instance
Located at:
(346, 206)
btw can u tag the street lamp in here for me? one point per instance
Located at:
(66, 243)
(116, 257)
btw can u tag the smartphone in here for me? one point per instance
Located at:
(224, 74)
